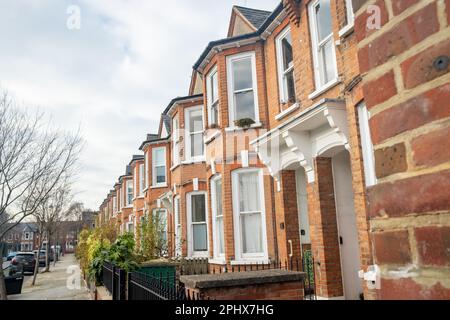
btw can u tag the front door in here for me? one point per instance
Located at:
(347, 228)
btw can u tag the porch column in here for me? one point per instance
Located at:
(324, 231)
(286, 212)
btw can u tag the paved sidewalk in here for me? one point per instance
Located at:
(53, 285)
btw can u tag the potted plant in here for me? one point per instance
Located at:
(244, 122)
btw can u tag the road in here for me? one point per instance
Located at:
(53, 285)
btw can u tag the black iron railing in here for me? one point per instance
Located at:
(143, 286)
(114, 280)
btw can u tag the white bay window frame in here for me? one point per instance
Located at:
(155, 165)
(175, 141)
(218, 235)
(147, 170)
(350, 19)
(240, 256)
(318, 48)
(135, 181)
(282, 72)
(141, 179)
(213, 96)
(190, 225)
(189, 135)
(232, 93)
(129, 193)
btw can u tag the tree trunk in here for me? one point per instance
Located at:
(47, 255)
(36, 265)
(3, 295)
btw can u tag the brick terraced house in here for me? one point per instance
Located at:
(319, 128)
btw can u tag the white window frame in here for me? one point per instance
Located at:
(210, 102)
(217, 255)
(318, 65)
(115, 205)
(176, 141)
(366, 145)
(141, 179)
(350, 19)
(135, 182)
(178, 225)
(167, 220)
(147, 169)
(239, 255)
(191, 252)
(230, 83)
(128, 200)
(154, 166)
(282, 80)
(188, 133)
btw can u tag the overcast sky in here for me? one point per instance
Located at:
(114, 76)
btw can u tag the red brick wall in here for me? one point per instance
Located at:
(267, 291)
(407, 91)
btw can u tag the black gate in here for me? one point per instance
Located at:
(114, 280)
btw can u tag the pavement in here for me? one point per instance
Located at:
(61, 283)
(5, 264)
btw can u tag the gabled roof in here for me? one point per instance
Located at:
(255, 16)
(236, 39)
(136, 157)
(150, 138)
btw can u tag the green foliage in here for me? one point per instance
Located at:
(153, 239)
(244, 123)
(121, 253)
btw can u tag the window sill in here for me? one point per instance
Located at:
(159, 186)
(199, 254)
(345, 31)
(324, 88)
(253, 126)
(217, 261)
(146, 189)
(289, 110)
(175, 166)
(250, 261)
(193, 161)
(140, 197)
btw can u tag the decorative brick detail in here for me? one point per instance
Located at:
(433, 245)
(406, 34)
(425, 193)
(392, 247)
(380, 90)
(399, 6)
(390, 160)
(432, 148)
(411, 114)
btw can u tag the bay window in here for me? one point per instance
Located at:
(242, 91)
(324, 55)
(159, 167)
(249, 215)
(135, 179)
(159, 217)
(146, 170)
(178, 233)
(285, 61)
(129, 192)
(217, 211)
(213, 97)
(194, 134)
(175, 142)
(198, 228)
(141, 179)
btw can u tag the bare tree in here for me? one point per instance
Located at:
(34, 159)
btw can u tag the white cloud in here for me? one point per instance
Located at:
(114, 76)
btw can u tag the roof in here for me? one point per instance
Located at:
(136, 157)
(167, 120)
(151, 138)
(266, 23)
(177, 99)
(255, 16)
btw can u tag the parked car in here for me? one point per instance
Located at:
(42, 256)
(24, 262)
(10, 256)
